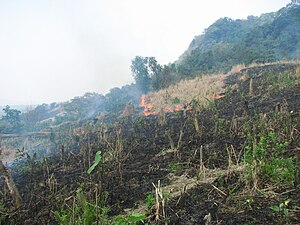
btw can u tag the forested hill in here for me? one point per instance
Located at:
(269, 37)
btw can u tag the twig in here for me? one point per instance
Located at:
(222, 192)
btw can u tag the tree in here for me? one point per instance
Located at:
(115, 100)
(11, 121)
(143, 69)
(163, 78)
(11, 115)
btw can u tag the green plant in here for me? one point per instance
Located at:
(249, 202)
(62, 217)
(150, 200)
(132, 219)
(83, 212)
(220, 126)
(211, 104)
(167, 195)
(195, 104)
(282, 208)
(174, 166)
(176, 100)
(140, 122)
(264, 161)
(4, 212)
(232, 191)
(98, 158)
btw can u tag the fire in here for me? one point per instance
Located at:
(148, 107)
(143, 103)
(178, 108)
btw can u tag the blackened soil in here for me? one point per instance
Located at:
(136, 154)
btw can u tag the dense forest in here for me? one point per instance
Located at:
(267, 38)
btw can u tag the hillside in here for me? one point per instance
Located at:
(212, 139)
(270, 37)
(234, 161)
(74, 112)
(267, 38)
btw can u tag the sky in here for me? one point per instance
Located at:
(54, 50)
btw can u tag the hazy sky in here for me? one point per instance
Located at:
(53, 50)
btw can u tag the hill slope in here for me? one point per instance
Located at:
(270, 37)
(200, 160)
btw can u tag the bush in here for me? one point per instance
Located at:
(265, 161)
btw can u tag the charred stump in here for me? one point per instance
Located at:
(5, 174)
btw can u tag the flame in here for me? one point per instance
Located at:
(178, 108)
(143, 103)
(148, 107)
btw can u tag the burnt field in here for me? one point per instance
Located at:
(235, 161)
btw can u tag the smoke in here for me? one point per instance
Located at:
(55, 50)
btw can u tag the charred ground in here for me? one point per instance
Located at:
(197, 156)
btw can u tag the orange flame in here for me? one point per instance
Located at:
(148, 107)
(177, 108)
(143, 103)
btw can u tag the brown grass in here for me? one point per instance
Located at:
(274, 63)
(203, 89)
(236, 69)
(200, 88)
(8, 155)
(298, 71)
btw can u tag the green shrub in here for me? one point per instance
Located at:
(265, 161)
(83, 212)
(176, 100)
(174, 166)
(132, 219)
(150, 200)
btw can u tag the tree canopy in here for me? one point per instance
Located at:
(270, 37)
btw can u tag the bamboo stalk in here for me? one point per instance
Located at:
(251, 88)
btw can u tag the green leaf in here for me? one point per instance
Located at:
(97, 160)
(120, 223)
(275, 208)
(286, 212)
(136, 217)
(120, 220)
(286, 202)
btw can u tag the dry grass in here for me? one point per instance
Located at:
(236, 69)
(181, 184)
(201, 88)
(8, 155)
(274, 63)
(298, 71)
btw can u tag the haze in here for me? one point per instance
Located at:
(53, 50)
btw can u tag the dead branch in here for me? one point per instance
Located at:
(4, 172)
